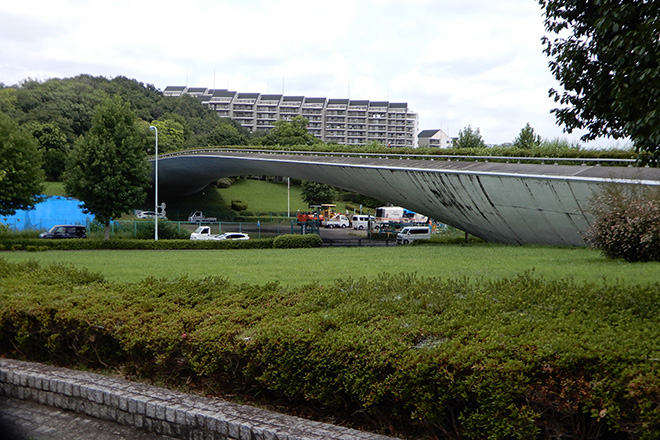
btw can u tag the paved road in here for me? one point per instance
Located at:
(22, 420)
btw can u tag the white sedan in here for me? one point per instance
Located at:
(149, 214)
(234, 236)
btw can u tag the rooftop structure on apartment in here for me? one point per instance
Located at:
(342, 121)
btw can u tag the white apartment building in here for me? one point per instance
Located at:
(342, 121)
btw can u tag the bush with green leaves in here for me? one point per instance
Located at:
(239, 205)
(517, 358)
(21, 244)
(291, 241)
(627, 223)
(145, 230)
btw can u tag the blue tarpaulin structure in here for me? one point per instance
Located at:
(54, 210)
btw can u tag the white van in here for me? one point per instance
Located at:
(360, 221)
(412, 233)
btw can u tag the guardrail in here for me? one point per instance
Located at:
(431, 157)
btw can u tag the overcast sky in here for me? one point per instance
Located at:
(456, 63)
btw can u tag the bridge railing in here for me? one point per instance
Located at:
(431, 157)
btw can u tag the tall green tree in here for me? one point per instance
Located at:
(21, 173)
(606, 56)
(527, 139)
(54, 146)
(107, 169)
(314, 193)
(293, 132)
(469, 138)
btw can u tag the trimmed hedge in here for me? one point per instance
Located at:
(282, 241)
(289, 241)
(35, 244)
(519, 358)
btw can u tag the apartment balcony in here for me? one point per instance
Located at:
(272, 116)
(243, 115)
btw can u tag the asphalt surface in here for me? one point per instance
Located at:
(23, 420)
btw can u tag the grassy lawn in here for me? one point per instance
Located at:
(264, 197)
(297, 267)
(54, 189)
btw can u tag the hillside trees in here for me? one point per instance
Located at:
(293, 132)
(170, 135)
(69, 105)
(107, 169)
(606, 56)
(21, 176)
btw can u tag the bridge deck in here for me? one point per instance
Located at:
(498, 201)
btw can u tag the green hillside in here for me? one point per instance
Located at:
(263, 198)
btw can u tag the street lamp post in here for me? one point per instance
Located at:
(151, 127)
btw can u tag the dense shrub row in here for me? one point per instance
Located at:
(550, 149)
(519, 358)
(282, 241)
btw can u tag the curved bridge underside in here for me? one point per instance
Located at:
(501, 202)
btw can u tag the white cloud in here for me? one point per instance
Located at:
(474, 62)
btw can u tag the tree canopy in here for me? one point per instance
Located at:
(527, 139)
(314, 193)
(21, 175)
(293, 132)
(606, 56)
(469, 138)
(69, 104)
(107, 169)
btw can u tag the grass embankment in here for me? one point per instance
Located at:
(262, 197)
(519, 357)
(297, 267)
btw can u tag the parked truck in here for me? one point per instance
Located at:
(204, 233)
(337, 221)
(396, 215)
(199, 217)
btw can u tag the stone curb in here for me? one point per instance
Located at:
(159, 410)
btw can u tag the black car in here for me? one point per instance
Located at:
(65, 231)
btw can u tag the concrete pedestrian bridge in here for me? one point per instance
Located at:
(522, 201)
